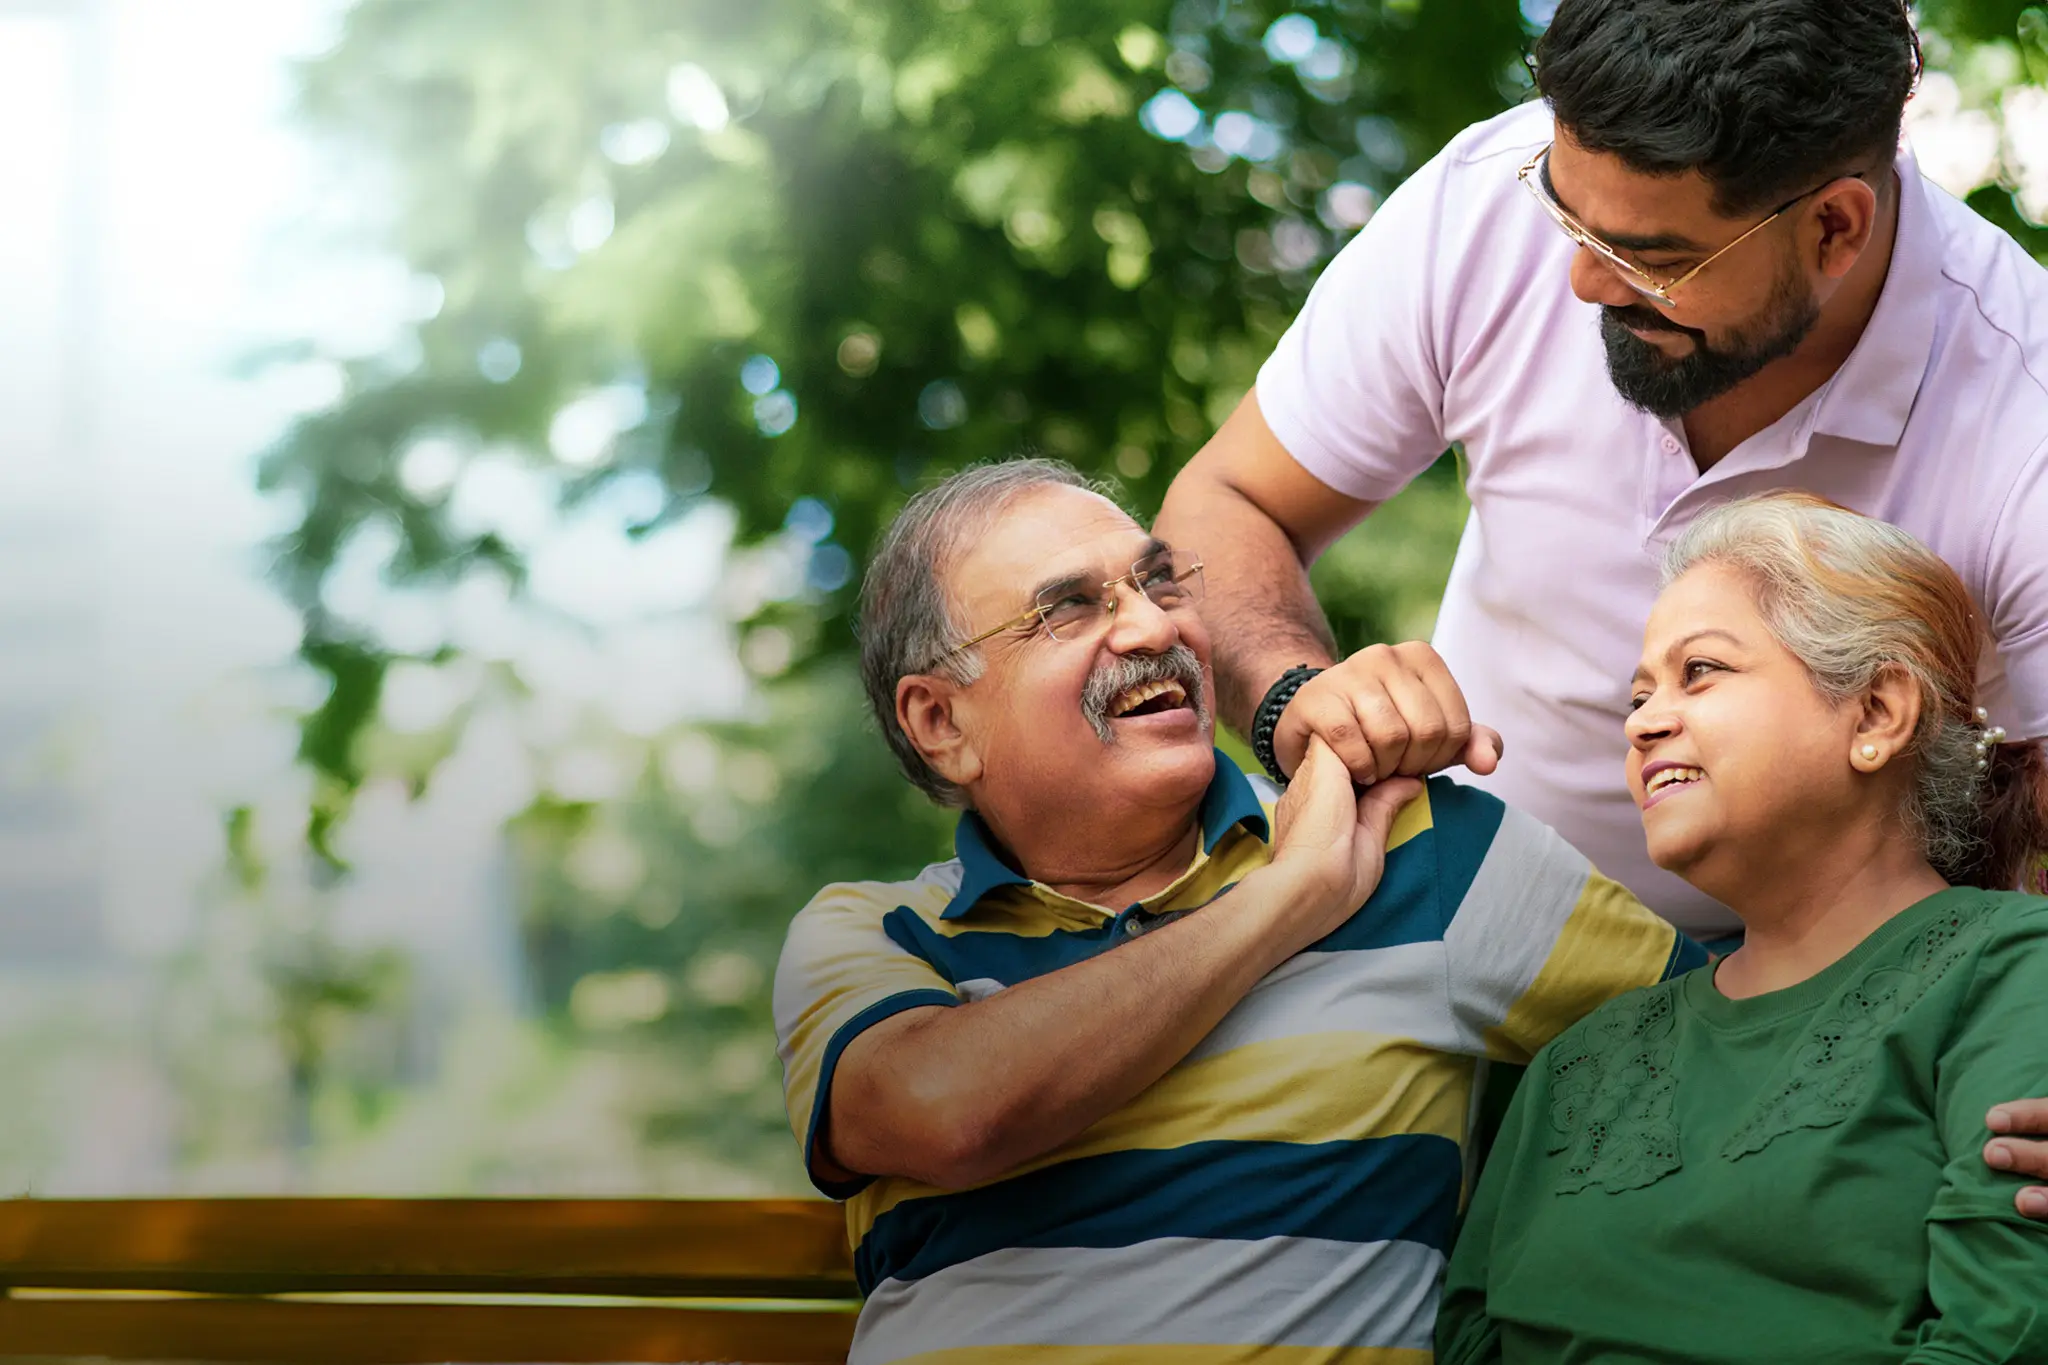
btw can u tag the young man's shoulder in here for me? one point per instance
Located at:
(1473, 177)
(1516, 133)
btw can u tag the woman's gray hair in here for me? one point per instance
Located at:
(907, 622)
(1852, 597)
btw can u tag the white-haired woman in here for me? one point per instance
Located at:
(1778, 1157)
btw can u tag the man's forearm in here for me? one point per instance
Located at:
(960, 1095)
(1258, 519)
(1262, 614)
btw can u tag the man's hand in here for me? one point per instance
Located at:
(2017, 1119)
(1388, 710)
(1331, 844)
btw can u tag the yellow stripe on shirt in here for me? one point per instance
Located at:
(1311, 1088)
(1609, 945)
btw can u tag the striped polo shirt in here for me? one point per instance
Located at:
(1287, 1191)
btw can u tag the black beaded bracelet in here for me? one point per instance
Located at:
(1267, 718)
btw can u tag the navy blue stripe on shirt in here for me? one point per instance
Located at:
(1464, 821)
(992, 954)
(1686, 954)
(1402, 1188)
(1402, 908)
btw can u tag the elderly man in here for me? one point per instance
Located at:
(1243, 1127)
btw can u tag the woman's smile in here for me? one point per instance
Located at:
(1664, 779)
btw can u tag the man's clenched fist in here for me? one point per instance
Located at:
(1387, 711)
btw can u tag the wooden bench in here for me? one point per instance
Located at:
(398, 1281)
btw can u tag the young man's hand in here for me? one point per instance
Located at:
(1387, 711)
(2017, 1121)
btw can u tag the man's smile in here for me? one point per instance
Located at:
(1149, 699)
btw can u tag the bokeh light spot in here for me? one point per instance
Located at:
(860, 353)
(635, 143)
(429, 466)
(1291, 38)
(695, 99)
(941, 406)
(498, 359)
(1170, 115)
(591, 222)
(775, 413)
(808, 520)
(584, 432)
(1347, 206)
(760, 375)
(830, 568)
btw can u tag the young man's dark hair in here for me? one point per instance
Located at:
(1765, 98)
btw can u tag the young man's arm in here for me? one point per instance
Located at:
(955, 1096)
(1348, 409)
(1259, 519)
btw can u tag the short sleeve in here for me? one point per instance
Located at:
(1354, 390)
(2018, 606)
(840, 974)
(1985, 1258)
(1536, 939)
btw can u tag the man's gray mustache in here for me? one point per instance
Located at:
(1113, 679)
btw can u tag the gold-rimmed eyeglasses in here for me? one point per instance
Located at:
(1535, 175)
(1170, 579)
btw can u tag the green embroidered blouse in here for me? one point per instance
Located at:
(1794, 1177)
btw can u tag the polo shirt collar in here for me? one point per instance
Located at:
(1869, 399)
(1229, 802)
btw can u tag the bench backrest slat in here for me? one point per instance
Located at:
(248, 1330)
(789, 1248)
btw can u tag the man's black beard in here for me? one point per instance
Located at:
(1664, 386)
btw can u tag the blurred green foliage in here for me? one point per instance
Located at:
(832, 248)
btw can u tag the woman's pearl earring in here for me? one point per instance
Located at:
(1870, 753)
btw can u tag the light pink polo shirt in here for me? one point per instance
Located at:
(1450, 319)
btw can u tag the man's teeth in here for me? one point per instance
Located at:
(1669, 776)
(1144, 692)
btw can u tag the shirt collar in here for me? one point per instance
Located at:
(1869, 399)
(1230, 801)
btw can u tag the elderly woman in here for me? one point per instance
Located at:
(1777, 1157)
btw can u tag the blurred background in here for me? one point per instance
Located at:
(439, 442)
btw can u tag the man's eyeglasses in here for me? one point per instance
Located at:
(1535, 175)
(1169, 579)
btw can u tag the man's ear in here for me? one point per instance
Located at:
(1847, 213)
(1890, 714)
(925, 709)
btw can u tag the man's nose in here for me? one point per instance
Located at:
(1140, 625)
(1594, 281)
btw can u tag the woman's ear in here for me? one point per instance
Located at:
(1890, 715)
(925, 706)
